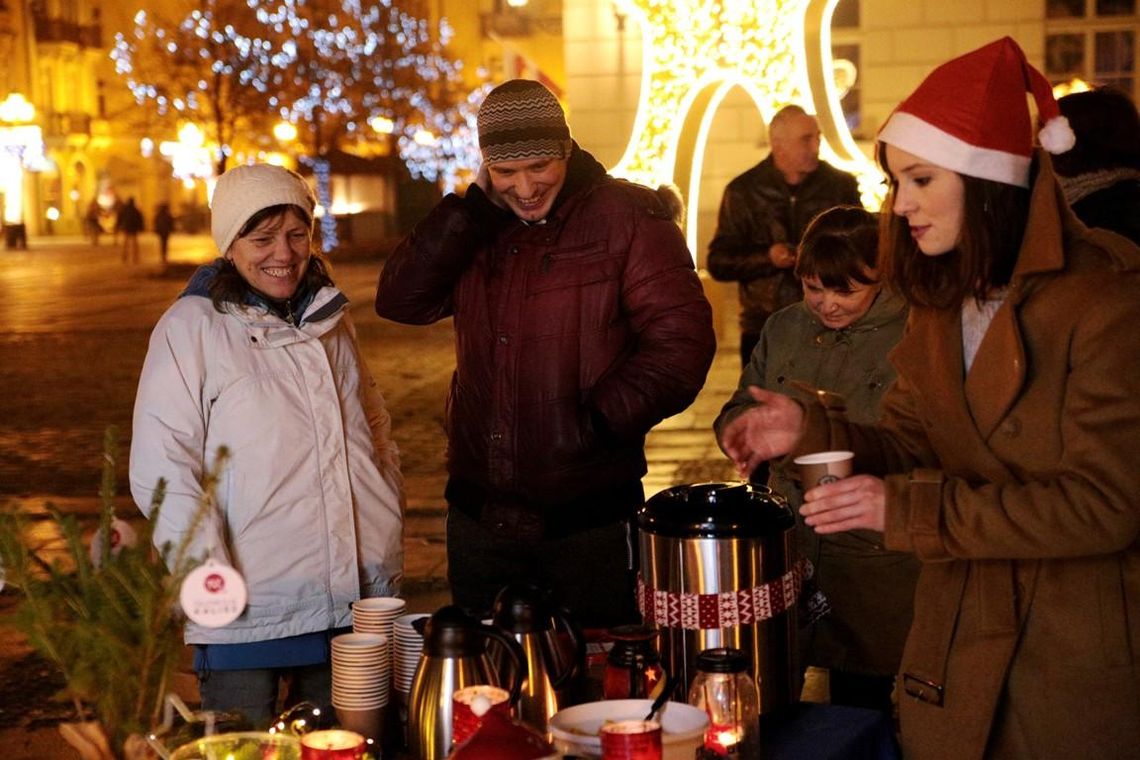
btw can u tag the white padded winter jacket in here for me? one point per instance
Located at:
(310, 505)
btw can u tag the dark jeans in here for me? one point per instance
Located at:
(592, 572)
(253, 693)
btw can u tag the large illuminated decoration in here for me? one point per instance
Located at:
(695, 51)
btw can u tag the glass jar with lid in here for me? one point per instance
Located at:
(726, 692)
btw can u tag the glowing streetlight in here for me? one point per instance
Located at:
(189, 156)
(1062, 89)
(190, 135)
(15, 109)
(21, 146)
(382, 124)
(424, 137)
(284, 132)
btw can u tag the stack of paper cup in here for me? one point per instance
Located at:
(361, 673)
(376, 615)
(409, 645)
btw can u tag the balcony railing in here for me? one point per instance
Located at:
(67, 124)
(519, 24)
(50, 30)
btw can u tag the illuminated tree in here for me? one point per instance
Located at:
(330, 67)
(199, 68)
(343, 64)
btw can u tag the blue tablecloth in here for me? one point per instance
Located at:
(829, 732)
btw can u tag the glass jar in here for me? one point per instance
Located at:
(725, 691)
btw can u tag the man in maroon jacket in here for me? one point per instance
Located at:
(580, 323)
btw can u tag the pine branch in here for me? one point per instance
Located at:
(112, 628)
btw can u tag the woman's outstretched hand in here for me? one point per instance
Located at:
(859, 501)
(768, 430)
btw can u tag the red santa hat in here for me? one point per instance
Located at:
(970, 115)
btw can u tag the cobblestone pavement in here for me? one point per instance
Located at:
(77, 326)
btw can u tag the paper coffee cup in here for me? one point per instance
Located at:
(824, 467)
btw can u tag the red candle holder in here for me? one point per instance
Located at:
(334, 744)
(470, 704)
(631, 740)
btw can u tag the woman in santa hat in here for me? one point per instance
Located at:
(1006, 456)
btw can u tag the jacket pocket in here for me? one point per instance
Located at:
(573, 267)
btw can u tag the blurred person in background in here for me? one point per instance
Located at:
(129, 222)
(163, 227)
(763, 214)
(1101, 174)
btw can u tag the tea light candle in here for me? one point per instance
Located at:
(631, 740)
(721, 740)
(334, 744)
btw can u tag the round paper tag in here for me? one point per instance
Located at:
(213, 594)
(122, 535)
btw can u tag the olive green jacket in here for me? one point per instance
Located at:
(870, 590)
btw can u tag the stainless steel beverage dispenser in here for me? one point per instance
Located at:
(719, 569)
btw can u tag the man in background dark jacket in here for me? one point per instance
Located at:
(580, 323)
(763, 214)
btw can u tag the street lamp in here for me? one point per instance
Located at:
(382, 125)
(21, 143)
(284, 132)
(16, 109)
(189, 157)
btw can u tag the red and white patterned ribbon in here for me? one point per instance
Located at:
(694, 612)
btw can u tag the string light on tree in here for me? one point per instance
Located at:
(328, 68)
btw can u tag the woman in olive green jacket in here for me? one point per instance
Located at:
(837, 339)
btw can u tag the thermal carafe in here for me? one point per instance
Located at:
(719, 569)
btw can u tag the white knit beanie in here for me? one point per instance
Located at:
(244, 190)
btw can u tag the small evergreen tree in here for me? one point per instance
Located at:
(111, 626)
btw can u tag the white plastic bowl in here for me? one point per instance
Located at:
(575, 729)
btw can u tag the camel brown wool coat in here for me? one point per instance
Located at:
(1018, 486)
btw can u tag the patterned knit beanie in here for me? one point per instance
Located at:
(244, 190)
(522, 119)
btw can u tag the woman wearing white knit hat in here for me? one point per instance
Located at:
(259, 355)
(1006, 456)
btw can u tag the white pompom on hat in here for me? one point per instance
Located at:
(244, 190)
(970, 115)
